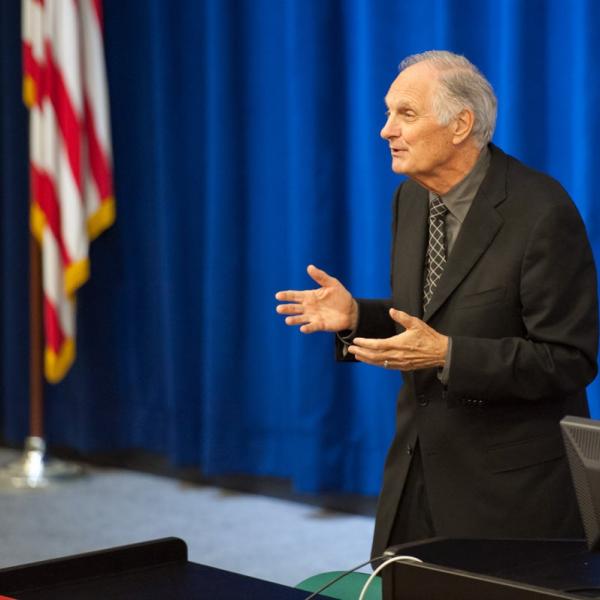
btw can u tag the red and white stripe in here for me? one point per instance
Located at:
(72, 200)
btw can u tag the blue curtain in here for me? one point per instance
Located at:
(246, 145)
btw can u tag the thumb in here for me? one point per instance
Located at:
(406, 320)
(322, 278)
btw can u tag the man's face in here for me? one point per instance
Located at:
(420, 146)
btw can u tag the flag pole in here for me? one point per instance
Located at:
(29, 471)
(36, 388)
(33, 470)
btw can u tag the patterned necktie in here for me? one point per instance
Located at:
(436, 249)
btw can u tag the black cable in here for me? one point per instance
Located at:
(336, 579)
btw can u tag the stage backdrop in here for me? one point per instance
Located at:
(246, 145)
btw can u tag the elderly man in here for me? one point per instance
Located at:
(492, 320)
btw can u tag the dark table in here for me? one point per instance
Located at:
(149, 570)
(467, 569)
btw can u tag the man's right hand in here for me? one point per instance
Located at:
(331, 307)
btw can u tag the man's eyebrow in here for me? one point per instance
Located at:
(401, 105)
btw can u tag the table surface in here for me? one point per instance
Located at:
(169, 582)
(149, 570)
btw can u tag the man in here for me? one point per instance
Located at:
(492, 320)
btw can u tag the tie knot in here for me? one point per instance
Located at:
(437, 209)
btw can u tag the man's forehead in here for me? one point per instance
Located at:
(412, 86)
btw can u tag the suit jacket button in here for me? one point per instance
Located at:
(409, 450)
(422, 399)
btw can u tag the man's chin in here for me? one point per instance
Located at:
(399, 166)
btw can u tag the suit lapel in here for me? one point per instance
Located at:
(480, 226)
(410, 255)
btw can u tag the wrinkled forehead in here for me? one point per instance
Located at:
(413, 87)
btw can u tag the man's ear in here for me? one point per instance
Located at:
(462, 125)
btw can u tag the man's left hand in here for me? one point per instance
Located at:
(419, 347)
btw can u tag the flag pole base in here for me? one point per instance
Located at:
(34, 471)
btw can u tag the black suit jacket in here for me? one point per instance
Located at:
(518, 297)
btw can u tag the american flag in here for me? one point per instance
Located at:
(65, 89)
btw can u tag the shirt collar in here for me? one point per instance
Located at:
(458, 200)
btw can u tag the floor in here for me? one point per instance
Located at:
(276, 539)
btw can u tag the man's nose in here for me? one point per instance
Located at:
(387, 131)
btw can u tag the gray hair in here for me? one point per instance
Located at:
(461, 85)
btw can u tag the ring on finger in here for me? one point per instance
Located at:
(386, 364)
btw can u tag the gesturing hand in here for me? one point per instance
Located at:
(419, 347)
(328, 308)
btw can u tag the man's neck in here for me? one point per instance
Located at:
(453, 172)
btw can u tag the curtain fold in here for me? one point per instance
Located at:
(246, 146)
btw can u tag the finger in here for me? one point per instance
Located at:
(311, 327)
(364, 360)
(377, 359)
(318, 275)
(372, 343)
(291, 295)
(407, 321)
(375, 362)
(365, 355)
(297, 320)
(290, 309)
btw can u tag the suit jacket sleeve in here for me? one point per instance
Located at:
(558, 295)
(374, 321)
